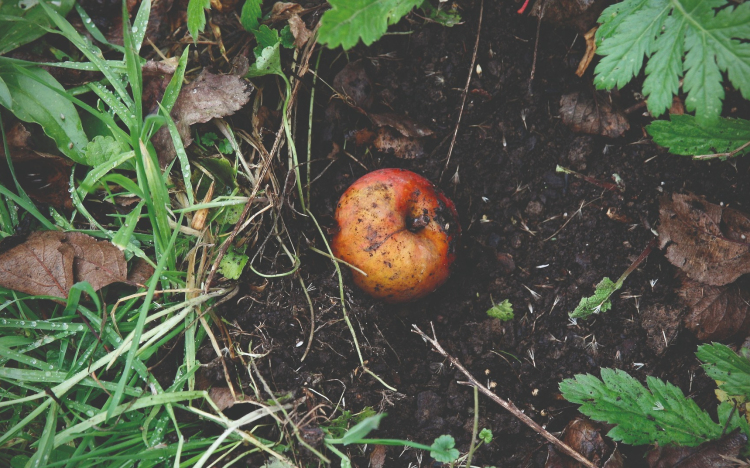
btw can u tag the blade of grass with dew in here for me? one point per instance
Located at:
(73, 432)
(114, 103)
(181, 155)
(140, 23)
(96, 173)
(93, 53)
(91, 27)
(137, 333)
(157, 202)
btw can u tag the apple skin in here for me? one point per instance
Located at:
(401, 230)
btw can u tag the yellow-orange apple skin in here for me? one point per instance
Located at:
(401, 230)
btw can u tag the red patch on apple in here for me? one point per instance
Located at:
(401, 230)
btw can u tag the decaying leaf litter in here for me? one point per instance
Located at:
(509, 197)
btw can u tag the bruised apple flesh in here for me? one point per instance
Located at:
(399, 229)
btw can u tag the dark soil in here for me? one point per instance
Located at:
(513, 209)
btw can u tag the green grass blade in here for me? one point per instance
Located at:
(137, 333)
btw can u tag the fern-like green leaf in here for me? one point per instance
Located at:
(683, 135)
(251, 14)
(196, 17)
(696, 40)
(348, 21)
(660, 414)
(597, 303)
(724, 365)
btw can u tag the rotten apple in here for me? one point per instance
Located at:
(401, 230)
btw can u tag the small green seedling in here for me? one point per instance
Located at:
(600, 301)
(442, 449)
(502, 311)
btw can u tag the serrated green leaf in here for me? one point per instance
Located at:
(597, 303)
(251, 14)
(700, 38)
(35, 102)
(724, 365)
(502, 311)
(23, 21)
(267, 63)
(485, 435)
(443, 449)
(265, 37)
(660, 414)
(685, 136)
(196, 17)
(287, 38)
(348, 21)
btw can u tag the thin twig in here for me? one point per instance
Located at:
(536, 45)
(723, 155)
(466, 90)
(505, 404)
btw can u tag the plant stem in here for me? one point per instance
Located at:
(636, 263)
(474, 431)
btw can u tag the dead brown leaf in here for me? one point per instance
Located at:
(377, 457)
(677, 108)
(299, 31)
(50, 262)
(662, 323)
(353, 83)
(208, 97)
(585, 437)
(282, 11)
(590, 38)
(405, 126)
(706, 241)
(716, 312)
(389, 141)
(140, 272)
(223, 398)
(707, 455)
(594, 116)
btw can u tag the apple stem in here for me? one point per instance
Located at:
(418, 223)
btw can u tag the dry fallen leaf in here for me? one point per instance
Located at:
(389, 141)
(706, 241)
(51, 262)
(223, 398)
(140, 272)
(405, 126)
(707, 455)
(585, 437)
(716, 312)
(662, 323)
(590, 38)
(282, 11)
(585, 114)
(377, 457)
(352, 82)
(299, 31)
(208, 97)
